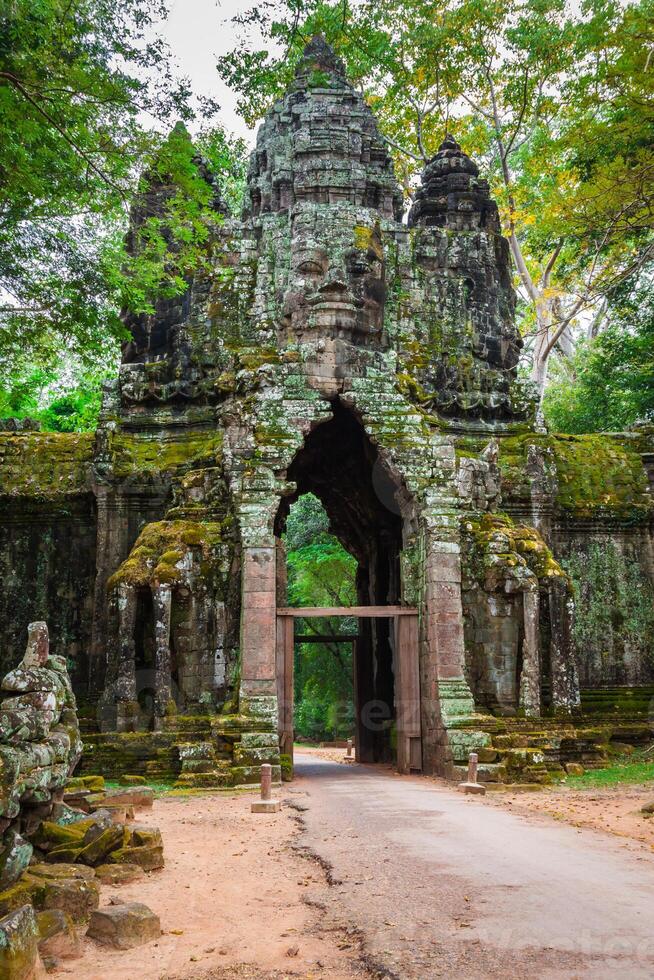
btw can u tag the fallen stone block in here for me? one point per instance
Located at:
(21, 893)
(55, 872)
(90, 784)
(50, 836)
(124, 926)
(139, 834)
(64, 855)
(97, 850)
(131, 780)
(14, 859)
(58, 939)
(119, 874)
(574, 769)
(147, 856)
(136, 796)
(72, 895)
(78, 799)
(19, 953)
(69, 887)
(65, 815)
(648, 807)
(119, 812)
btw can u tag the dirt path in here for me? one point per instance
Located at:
(442, 885)
(231, 901)
(611, 811)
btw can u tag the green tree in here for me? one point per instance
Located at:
(320, 573)
(609, 381)
(86, 87)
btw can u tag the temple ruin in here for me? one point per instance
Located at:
(341, 349)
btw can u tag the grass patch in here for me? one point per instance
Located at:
(625, 770)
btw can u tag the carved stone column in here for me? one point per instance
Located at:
(125, 685)
(564, 677)
(162, 601)
(530, 683)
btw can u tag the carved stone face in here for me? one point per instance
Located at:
(336, 282)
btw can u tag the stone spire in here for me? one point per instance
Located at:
(320, 145)
(452, 195)
(152, 332)
(318, 56)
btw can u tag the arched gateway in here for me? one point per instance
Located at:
(337, 349)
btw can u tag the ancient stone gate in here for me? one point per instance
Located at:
(340, 347)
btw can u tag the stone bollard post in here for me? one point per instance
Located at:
(471, 785)
(266, 781)
(473, 761)
(266, 804)
(349, 748)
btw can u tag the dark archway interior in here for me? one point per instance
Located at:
(144, 657)
(339, 464)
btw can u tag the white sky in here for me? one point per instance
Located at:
(199, 32)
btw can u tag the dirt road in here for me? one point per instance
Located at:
(231, 899)
(445, 885)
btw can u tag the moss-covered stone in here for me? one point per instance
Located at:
(501, 549)
(160, 550)
(140, 455)
(45, 465)
(596, 475)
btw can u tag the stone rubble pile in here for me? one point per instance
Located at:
(61, 837)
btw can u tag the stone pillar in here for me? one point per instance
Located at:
(258, 622)
(162, 602)
(125, 685)
(530, 684)
(446, 698)
(564, 677)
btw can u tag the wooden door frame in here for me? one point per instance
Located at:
(406, 670)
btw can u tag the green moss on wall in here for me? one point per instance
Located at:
(614, 613)
(135, 455)
(45, 465)
(597, 475)
(160, 549)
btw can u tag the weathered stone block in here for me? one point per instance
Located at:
(19, 954)
(124, 926)
(119, 874)
(58, 939)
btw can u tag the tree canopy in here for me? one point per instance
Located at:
(88, 100)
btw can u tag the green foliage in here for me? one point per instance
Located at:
(614, 609)
(65, 400)
(609, 383)
(77, 80)
(320, 573)
(307, 523)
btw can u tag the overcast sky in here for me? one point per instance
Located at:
(198, 32)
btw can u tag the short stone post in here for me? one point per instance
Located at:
(349, 748)
(266, 804)
(471, 785)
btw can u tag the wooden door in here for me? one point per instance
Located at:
(407, 695)
(285, 651)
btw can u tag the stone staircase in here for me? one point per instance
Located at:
(192, 751)
(531, 753)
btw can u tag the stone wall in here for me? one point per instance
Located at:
(47, 544)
